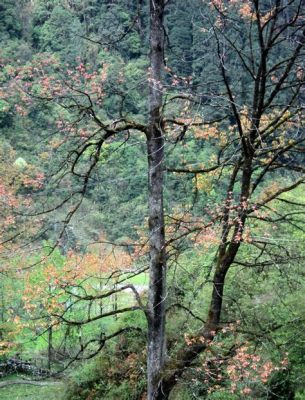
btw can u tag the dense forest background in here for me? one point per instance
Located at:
(74, 235)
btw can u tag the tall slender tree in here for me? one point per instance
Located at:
(155, 153)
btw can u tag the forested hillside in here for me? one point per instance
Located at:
(152, 219)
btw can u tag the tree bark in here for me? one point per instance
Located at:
(155, 151)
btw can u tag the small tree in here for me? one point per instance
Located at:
(258, 144)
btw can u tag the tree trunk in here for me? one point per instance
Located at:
(50, 347)
(155, 151)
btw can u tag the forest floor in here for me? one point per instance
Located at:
(50, 391)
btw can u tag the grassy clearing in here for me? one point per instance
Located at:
(141, 279)
(30, 392)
